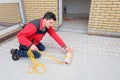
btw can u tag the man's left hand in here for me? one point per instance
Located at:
(68, 49)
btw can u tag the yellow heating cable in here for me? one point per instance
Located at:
(37, 64)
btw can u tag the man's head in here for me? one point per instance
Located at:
(48, 19)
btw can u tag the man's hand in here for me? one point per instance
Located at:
(69, 54)
(33, 47)
(68, 49)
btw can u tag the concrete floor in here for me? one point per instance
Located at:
(79, 26)
(75, 23)
(95, 58)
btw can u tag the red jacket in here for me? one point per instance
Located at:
(28, 34)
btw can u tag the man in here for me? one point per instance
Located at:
(30, 37)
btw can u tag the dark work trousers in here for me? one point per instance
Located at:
(22, 52)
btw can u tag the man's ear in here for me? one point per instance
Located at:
(45, 19)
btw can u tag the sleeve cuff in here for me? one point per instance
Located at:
(65, 47)
(30, 46)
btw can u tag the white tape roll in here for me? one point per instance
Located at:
(68, 58)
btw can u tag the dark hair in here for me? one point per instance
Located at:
(49, 15)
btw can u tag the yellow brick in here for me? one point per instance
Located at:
(107, 22)
(93, 11)
(94, 24)
(117, 23)
(101, 29)
(102, 0)
(118, 31)
(112, 6)
(119, 6)
(9, 12)
(99, 22)
(92, 2)
(107, 3)
(39, 7)
(109, 17)
(114, 20)
(118, 12)
(93, 6)
(113, 26)
(117, 15)
(114, 0)
(102, 24)
(98, 27)
(96, 14)
(96, 2)
(97, 8)
(116, 3)
(116, 9)
(107, 27)
(110, 30)
(99, 16)
(101, 11)
(106, 9)
(105, 14)
(101, 6)
(103, 19)
(111, 11)
(93, 28)
(95, 19)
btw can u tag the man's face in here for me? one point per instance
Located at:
(49, 23)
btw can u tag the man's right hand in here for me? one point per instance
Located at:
(33, 47)
(68, 49)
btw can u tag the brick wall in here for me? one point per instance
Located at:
(35, 9)
(9, 13)
(104, 17)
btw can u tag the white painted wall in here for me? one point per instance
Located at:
(77, 6)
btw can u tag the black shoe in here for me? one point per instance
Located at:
(14, 55)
